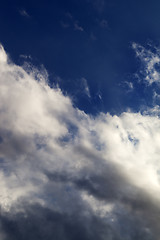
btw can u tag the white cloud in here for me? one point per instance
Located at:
(28, 57)
(24, 13)
(54, 154)
(130, 85)
(78, 27)
(3, 56)
(149, 60)
(86, 87)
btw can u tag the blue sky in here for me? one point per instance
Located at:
(84, 39)
(79, 124)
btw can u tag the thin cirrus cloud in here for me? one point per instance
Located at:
(99, 5)
(24, 13)
(68, 175)
(64, 25)
(73, 23)
(104, 23)
(85, 87)
(78, 27)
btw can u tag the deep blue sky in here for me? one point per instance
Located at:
(88, 39)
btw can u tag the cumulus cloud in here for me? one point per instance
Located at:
(68, 175)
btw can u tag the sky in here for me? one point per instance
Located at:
(80, 120)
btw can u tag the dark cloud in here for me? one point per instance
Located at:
(135, 213)
(41, 223)
(38, 223)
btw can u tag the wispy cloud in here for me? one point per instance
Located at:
(86, 87)
(150, 61)
(25, 56)
(104, 23)
(70, 21)
(99, 5)
(128, 86)
(24, 13)
(64, 24)
(99, 95)
(65, 174)
(69, 15)
(93, 37)
(78, 27)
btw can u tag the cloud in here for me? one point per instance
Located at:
(128, 86)
(93, 37)
(64, 25)
(86, 88)
(67, 175)
(99, 5)
(24, 13)
(69, 15)
(78, 27)
(73, 22)
(103, 23)
(150, 61)
(26, 57)
(43, 223)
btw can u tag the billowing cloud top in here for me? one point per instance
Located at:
(68, 175)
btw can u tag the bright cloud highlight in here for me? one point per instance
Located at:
(69, 175)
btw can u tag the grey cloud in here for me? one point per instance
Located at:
(132, 205)
(42, 223)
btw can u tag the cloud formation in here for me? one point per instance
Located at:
(24, 13)
(103, 23)
(78, 27)
(150, 61)
(68, 175)
(99, 5)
